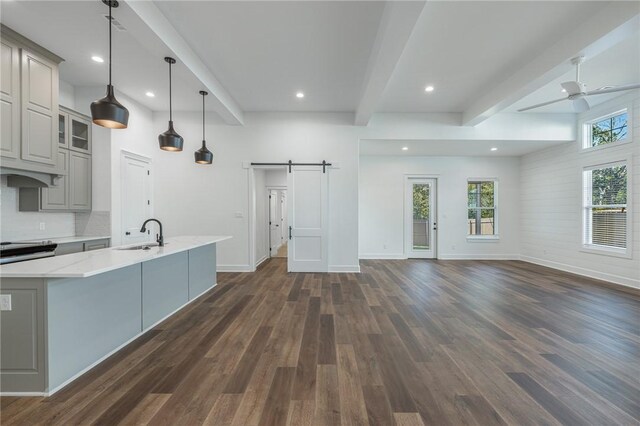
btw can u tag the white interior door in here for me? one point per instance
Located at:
(307, 203)
(420, 218)
(274, 223)
(136, 198)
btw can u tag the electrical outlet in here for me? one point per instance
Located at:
(384, 246)
(239, 215)
(5, 302)
(453, 247)
(42, 226)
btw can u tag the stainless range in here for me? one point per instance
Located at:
(11, 252)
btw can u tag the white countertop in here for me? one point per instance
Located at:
(88, 263)
(76, 239)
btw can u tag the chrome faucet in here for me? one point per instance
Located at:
(159, 237)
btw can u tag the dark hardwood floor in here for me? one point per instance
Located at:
(404, 342)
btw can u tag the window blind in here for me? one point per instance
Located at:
(605, 206)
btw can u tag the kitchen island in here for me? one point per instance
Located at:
(68, 313)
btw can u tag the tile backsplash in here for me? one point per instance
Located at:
(16, 225)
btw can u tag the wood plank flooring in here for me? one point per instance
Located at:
(402, 343)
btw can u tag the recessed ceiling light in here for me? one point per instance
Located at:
(405, 148)
(299, 95)
(429, 89)
(494, 149)
(564, 90)
(150, 94)
(97, 59)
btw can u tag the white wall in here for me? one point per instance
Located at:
(214, 196)
(17, 226)
(551, 219)
(381, 192)
(276, 177)
(66, 95)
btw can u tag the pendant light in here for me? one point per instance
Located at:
(170, 140)
(203, 155)
(108, 112)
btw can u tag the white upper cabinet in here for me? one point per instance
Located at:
(9, 99)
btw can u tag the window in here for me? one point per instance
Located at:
(606, 130)
(481, 196)
(605, 207)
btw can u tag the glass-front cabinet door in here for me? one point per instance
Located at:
(63, 124)
(80, 134)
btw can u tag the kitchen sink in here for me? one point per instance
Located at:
(140, 247)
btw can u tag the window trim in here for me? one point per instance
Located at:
(593, 117)
(496, 220)
(627, 252)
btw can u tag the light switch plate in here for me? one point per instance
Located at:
(5, 302)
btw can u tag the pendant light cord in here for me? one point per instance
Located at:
(110, 19)
(170, 106)
(203, 138)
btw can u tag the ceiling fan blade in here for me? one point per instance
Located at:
(571, 87)
(542, 104)
(580, 105)
(613, 89)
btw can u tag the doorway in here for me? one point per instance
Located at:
(420, 217)
(300, 209)
(136, 193)
(277, 222)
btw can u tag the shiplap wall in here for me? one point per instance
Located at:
(551, 202)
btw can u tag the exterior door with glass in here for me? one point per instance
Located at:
(420, 218)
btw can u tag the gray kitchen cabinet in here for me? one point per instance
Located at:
(96, 244)
(9, 99)
(79, 181)
(57, 197)
(72, 191)
(39, 86)
(29, 107)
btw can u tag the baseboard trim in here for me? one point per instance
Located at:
(86, 369)
(262, 260)
(590, 273)
(234, 268)
(344, 268)
(382, 256)
(478, 257)
(23, 394)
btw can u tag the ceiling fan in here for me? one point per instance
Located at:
(576, 91)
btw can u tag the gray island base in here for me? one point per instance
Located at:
(71, 312)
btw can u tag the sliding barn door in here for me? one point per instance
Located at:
(308, 213)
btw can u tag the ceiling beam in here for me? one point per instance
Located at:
(610, 25)
(396, 26)
(225, 105)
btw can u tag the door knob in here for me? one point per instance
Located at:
(127, 233)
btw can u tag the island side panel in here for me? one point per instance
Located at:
(165, 287)
(90, 317)
(202, 270)
(23, 351)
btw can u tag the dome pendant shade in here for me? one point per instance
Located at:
(108, 112)
(170, 140)
(203, 155)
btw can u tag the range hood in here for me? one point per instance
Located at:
(28, 179)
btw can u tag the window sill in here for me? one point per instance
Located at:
(605, 146)
(623, 253)
(483, 238)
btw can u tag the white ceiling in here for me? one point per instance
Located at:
(76, 30)
(506, 148)
(262, 52)
(618, 66)
(464, 48)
